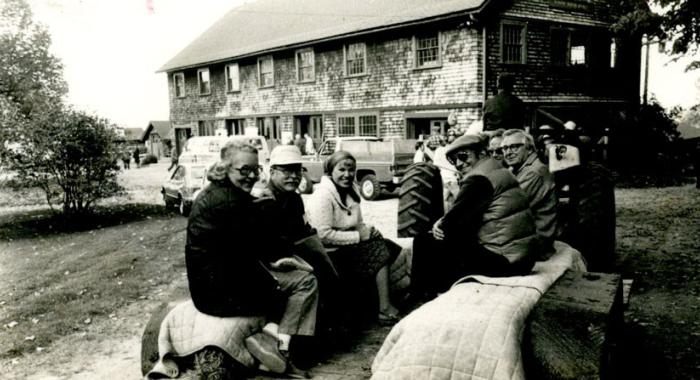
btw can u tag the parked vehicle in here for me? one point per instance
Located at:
(208, 148)
(380, 163)
(184, 185)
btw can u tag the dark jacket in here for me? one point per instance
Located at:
(504, 110)
(285, 215)
(492, 209)
(223, 255)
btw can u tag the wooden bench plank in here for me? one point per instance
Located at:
(572, 332)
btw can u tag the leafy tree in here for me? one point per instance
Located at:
(678, 21)
(30, 76)
(69, 154)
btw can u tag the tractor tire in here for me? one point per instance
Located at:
(592, 224)
(420, 199)
(306, 186)
(370, 187)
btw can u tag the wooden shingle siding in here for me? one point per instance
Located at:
(599, 14)
(391, 82)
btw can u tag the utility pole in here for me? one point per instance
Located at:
(646, 70)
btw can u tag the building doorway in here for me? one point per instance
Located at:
(417, 127)
(235, 127)
(181, 137)
(311, 124)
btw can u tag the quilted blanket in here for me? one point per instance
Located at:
(474, 330)
(185, 331)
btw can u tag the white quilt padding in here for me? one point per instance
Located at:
(474, 330)
(185, 331)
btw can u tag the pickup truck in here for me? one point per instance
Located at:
(380, 163)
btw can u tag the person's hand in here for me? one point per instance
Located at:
(365, 232)
(437, 231)
(286, 264)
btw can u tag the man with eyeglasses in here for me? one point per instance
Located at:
(494, 148)
(234, 268)
(489, 230)
(283, 210)
(534, 177)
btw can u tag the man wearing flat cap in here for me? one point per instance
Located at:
(489, 230)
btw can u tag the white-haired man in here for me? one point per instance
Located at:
(534, 177)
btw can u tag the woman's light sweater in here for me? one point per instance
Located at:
(335, 222)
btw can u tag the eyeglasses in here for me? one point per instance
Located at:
(497, 151)
(288, 171)
(461, 156)
(247, 170)
(512, 147)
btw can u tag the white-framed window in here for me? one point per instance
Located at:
(179, 83)
(203, 82)
(513, 42)
(426, 50)
(266, 71)
(355, 58)
(358, 125)
(305, 61)
(233, 82)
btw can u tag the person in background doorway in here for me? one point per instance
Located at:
(309, 147)
(300, 143)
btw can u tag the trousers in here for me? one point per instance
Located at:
(301, 289)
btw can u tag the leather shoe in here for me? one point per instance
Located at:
(264, 348)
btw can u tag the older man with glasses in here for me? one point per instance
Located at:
(534, 177)
(489, 229)
(234, 269)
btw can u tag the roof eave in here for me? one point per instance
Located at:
(166, 69)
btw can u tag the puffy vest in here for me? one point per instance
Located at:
(508, 227)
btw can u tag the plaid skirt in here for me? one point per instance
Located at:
(363, 260)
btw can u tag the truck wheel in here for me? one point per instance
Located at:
(420, 199)
(305, 185)
(370, 187)
(594, 217)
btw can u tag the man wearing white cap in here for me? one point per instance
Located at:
(489, 229)
(282, 208)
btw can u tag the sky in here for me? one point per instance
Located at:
(111, 50)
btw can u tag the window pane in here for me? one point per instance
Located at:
(305, 61)
(266, 72)
(512, 43)
(578, 55)
(232, 78)
(179, 85)
(356, 59)
(559, 47)
(368, 125)
(427, 51)
(346, 126)
(204, 82)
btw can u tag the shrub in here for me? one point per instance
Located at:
(68, 154)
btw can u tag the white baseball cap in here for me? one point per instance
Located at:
(285, 155)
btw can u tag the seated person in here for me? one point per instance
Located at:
(489, 230)
(534, 177)
(357, 250)
(228, 269)
(283, 210)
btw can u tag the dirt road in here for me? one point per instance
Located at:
(657, 246)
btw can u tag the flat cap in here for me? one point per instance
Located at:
(476, 142)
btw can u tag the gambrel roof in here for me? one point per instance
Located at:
(271, 25)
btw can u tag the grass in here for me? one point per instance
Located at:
(59, 278)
